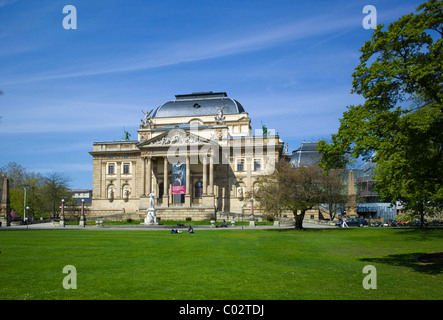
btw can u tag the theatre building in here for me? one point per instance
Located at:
(196, 155)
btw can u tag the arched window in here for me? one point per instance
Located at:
(198, 189)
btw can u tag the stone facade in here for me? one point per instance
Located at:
(221, 156)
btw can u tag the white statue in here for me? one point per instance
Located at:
(240, 192)
(110, 193)
(146, 122)
(220, 118)
(125, 193)
(151, 200)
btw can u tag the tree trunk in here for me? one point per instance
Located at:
(299, 219)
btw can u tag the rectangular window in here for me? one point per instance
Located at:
(126, 168)
(256, 165)
(240, 165)
(111, 169)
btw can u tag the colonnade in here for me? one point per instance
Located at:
(148, 172)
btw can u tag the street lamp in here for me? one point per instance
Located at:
(27, 217)
(82, 214)
(242, 205)
(252, 220)
(25, 186)
(62, 214)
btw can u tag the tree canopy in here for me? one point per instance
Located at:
(43, 193)
(399, 126)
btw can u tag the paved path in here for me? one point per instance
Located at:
(49, 226)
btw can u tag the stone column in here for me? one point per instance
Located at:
(143, 178)
(351, 206)
(149, 177)
(188, 183)
(118, 187)
(134, 192)
(211, 175)
(165, 182)
(188, 176)
(205, 176)
(104, 191)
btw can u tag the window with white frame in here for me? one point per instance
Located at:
(240, 165)
(126, 168)
(257, 164)
(111, 168)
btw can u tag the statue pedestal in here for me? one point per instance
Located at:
(4, 222)
(82, 222)
(151, 217)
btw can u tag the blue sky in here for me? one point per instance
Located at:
(288, 62)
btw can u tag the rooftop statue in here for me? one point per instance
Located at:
(265, 130)
(126, 136)
(220, 118)
(147, 121)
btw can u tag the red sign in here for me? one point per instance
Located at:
(178, 189)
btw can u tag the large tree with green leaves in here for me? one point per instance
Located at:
(400, 123)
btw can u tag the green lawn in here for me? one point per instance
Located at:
(220, 264)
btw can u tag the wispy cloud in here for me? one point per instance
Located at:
(66, 167)
(210, 47)
(331, 25)
(6, 2)
(66, 116)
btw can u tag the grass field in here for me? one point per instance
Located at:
(220, 264)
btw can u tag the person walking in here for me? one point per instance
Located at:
(345, 223)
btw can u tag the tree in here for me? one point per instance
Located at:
(399, 125)
(289, 188)
(334, 192)
(15, 172)
(55, 189)
(269, 194)
(43, 193)
(34, 200)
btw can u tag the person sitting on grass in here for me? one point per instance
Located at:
(175, 231)
(190, 229)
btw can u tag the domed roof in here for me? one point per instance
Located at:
(198, 104)
(306, 155)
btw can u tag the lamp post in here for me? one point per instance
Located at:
(82, 215)
(62, 214)
(252, 220)
(242, 205)
(25, 186)
(27, 217)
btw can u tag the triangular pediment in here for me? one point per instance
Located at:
(174, 137)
